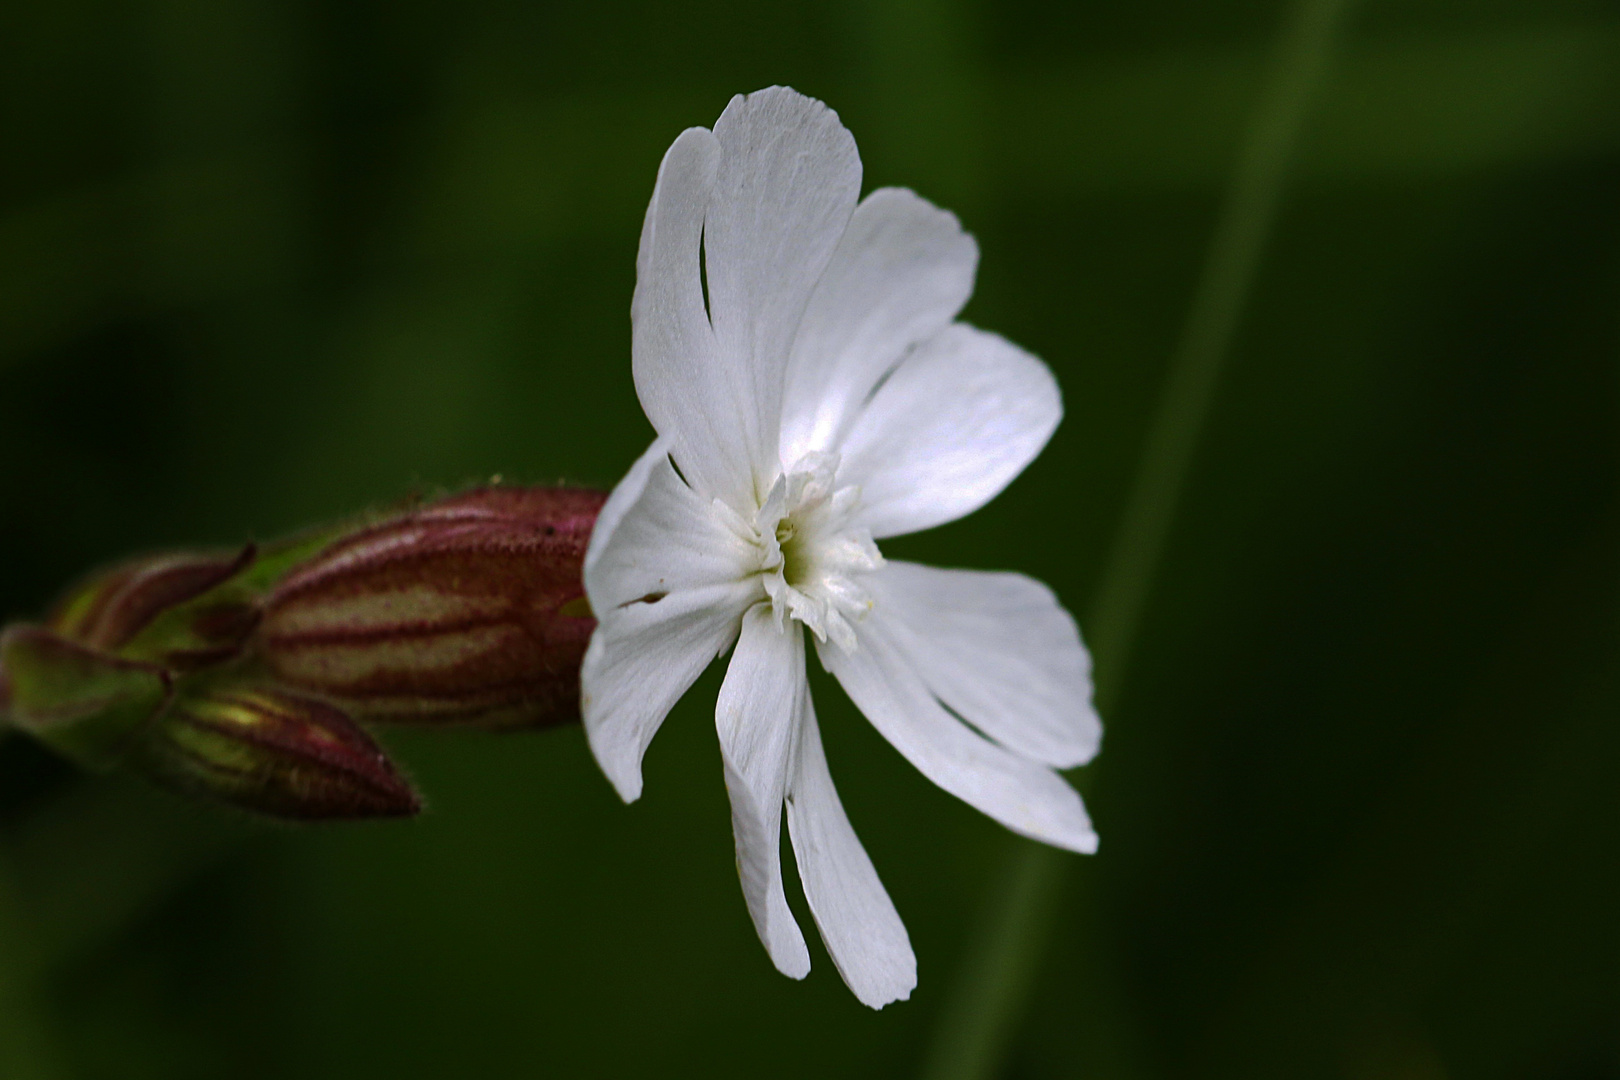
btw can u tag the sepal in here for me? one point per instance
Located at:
(86, 705)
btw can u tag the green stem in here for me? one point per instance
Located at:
(977, 1020)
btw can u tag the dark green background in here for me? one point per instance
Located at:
(263, 264)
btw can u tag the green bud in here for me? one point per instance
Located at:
(271, 752)
(86, 705)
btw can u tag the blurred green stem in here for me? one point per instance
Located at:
(977, 1020)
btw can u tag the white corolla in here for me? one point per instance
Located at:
(796, 350)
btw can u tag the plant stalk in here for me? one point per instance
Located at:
(977, 1021)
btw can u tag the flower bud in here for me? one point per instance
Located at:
(267, 751)
(471, 609)
(178, 610)
(86, 705)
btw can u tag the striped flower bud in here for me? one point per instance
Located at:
(177, 610)
(471, 610)
(271, 752)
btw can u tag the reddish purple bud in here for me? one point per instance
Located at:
(471, 609)
(271, 752)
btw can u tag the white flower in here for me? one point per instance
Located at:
(797, 356)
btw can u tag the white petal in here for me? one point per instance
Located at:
(673, 351)
(639, 663)
(788, 180)
(956, 422)
(1000, 651)
(1023, 795)
(656, 535)
(862, 931)
(902, 271)
(758, 718)
(625, 494)
(667, 584)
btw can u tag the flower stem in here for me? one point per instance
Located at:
(976, 1021)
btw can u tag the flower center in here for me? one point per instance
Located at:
(812, 553)
(797, 557)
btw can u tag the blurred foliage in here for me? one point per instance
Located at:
(266, 264)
